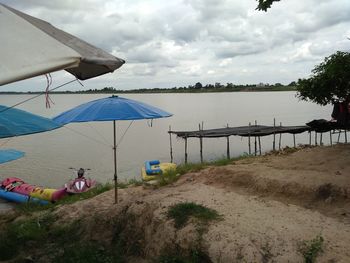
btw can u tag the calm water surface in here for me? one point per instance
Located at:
(89, 145)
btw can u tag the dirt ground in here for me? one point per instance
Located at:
(269, 206)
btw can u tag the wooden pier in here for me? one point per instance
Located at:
(252, 132)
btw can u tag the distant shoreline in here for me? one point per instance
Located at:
(153, 91)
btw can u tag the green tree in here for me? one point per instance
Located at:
(198, 85)
(265, 4)
(330, 81)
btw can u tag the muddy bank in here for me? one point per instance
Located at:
(269, 205)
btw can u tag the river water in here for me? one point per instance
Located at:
(89, 145)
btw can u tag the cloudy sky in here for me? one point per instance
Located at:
(181, 42)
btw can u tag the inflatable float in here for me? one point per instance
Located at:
(17, 186)
(19, 198)
(154, 168)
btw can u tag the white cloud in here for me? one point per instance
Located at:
(181, 42)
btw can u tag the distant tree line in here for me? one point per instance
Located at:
(199, 87)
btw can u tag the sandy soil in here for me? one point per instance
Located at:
(269, 206)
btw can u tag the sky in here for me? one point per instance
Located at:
(181, 42)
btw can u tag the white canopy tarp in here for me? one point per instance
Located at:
(31, 47)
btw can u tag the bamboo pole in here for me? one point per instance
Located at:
(330, 138)
(115, 163)
(259, 145)
(171, 145)
(321, 135)
(339, 135)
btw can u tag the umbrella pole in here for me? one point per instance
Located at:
(115, 164)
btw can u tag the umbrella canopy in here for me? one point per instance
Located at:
(10, 155)
(33, 47)
(15, 122)
(111, 109)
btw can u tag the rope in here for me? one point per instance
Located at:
(34, 97)
(86, 136)
(121, 138)
(48, 100)
(98, 133)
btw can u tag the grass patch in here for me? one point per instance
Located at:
(85, 253)
(172, 175)
(311, 249)
(183, 211)
(24, 233)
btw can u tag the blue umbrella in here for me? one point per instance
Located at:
(14, 122)
(111, 109)
(10, 155)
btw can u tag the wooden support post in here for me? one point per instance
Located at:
(346, 136)
(321, 138)
(186, 150)
(228, 146)
(315, 138)
(171, 146)
(201, 143)
(259, 145)
(295, 145)
(274, 135)
(310, 138)
(330, 138)
(255, 142)
(280, 141)
(339, 135)
(249, 145)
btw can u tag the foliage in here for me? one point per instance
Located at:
(38, 237)
(330, 81)
(183, 211)
(172, 175)
(265, 4)
(310, 249)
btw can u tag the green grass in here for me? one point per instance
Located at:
(311, 249)
(17, 234)
(172, 175)
(183, 211)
